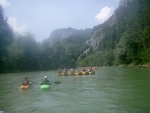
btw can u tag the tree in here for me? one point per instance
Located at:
(6, 38)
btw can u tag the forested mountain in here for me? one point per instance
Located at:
(69, 44)
(70, 36)
(123, 39)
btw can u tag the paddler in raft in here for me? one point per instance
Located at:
(45, 81)
(90, 69)
(26, 82)
(58, 72)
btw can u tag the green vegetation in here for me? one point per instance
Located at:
(126, 40)
(6, 38)
(25, 54)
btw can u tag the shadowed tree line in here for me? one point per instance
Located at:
(6, 38)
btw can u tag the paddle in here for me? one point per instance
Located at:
(56, 82)
(30, 84)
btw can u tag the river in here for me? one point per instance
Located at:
(110, 90)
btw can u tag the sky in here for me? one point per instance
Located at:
(41, 17)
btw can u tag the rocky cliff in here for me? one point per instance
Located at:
(66, 34)
(102, 30)
(62, 33)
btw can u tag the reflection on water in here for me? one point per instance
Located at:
(110, 90)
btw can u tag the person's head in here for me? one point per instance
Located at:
(45, 77)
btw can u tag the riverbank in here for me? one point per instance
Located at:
(133, 65)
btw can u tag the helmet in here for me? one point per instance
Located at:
(45, 77)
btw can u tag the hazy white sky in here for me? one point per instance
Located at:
(40, 17)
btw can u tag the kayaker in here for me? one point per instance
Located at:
(90, 69)
(46, 81)
(83, 70)
(25, 81)
(71, 70)
(59, 70)
(65, 71)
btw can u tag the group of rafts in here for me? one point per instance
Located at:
(84, 71)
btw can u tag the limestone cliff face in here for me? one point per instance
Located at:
(95, 39)
(100, 33)
(70, 35)
(62, 33)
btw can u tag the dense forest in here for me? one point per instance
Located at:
(123, 39)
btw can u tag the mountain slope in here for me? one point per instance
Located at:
(70, 35)
(124, 38)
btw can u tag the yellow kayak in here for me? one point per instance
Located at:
(64, 73)
(25, 87)
(94, 68)
(91, 72)
(85, 73)
(70, 73)
(77, 73)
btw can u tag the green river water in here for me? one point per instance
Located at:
(110, 90)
